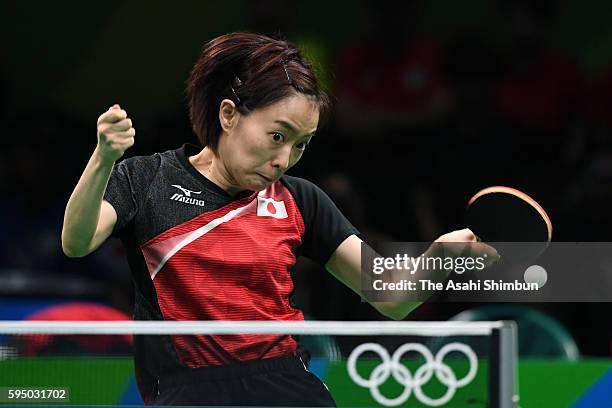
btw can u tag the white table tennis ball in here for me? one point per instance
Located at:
(536, 274)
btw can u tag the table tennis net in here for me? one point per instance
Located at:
(364, 364)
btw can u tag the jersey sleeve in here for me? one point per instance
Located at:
(325, 225)
(128, 186)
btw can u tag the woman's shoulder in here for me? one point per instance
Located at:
(297, 183)
(302, 189)
(148, 162)
(141, 169)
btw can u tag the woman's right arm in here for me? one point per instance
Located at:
(88, 219)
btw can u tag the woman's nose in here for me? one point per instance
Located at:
(282, 159)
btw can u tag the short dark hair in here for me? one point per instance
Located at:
(253, 71)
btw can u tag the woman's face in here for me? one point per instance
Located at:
(257, 149)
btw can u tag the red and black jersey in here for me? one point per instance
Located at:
(197, 253)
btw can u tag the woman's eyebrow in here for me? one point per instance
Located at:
(287, 125)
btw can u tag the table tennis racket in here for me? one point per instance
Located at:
(505, 214)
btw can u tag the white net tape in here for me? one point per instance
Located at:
(252, 327)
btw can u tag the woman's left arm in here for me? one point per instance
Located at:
(345, 265)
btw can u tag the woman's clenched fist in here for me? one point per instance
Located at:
(115, 134)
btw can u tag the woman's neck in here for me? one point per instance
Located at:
(211, 167)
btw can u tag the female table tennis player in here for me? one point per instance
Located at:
(211, 231)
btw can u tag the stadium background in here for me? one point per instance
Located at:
(433, 101)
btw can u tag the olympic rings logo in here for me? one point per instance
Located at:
(391, 365)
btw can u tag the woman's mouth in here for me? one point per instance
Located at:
(268, 179)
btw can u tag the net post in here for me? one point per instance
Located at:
(503, 369)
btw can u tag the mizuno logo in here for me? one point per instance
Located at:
(186, 198)
(188, 193)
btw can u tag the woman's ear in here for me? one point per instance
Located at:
(228, 114)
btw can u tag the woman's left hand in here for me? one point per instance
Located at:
(464, 243)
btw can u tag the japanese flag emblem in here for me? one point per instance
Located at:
(268, 207)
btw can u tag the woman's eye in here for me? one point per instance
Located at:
(278, 137)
